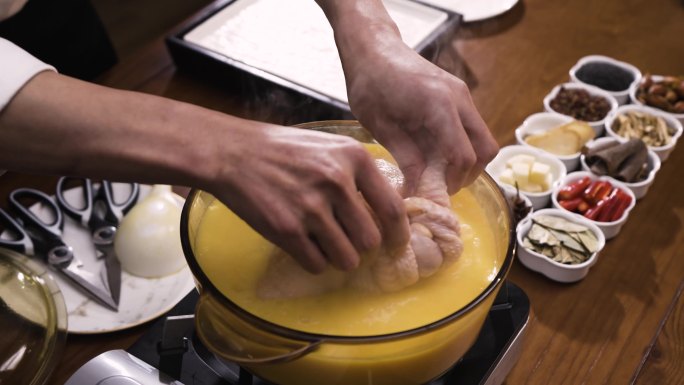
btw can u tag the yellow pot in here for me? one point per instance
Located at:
(287, 356)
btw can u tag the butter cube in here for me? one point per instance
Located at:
(539, 172)
(520, 158)
(521, 173)
(532, 187)
(507, 177)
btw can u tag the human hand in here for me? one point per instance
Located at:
(419, 112)
(316, 195)
(310, 193)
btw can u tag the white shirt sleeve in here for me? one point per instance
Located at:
(17, 67)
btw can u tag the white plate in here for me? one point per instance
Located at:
(475, 10)
(142, 299)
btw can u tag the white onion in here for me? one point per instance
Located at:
(147, 242)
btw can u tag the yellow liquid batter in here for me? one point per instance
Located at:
(233, 256)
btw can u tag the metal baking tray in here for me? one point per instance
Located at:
(266, 45)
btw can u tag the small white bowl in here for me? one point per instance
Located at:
(622, 96)
(540, 199)
(597, 125)
(663, 152)
(609, 229)
(510, 195)
(541, 122)
(554, 270)
(635, 100)
(638, 188)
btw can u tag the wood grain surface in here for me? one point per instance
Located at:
(622, 324)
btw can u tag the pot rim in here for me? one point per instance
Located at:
(290, 333)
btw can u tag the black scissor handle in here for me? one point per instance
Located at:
(81, 214)
(54, 229)
(118, 210)
(45, 237)
(22, 243)
(109, 214)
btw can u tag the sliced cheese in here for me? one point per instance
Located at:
(583, 129)
(567, 139)
(558, 143)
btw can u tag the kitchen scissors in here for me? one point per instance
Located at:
(101, 214)
(35, 236)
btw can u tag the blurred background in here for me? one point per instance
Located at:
(134, 23)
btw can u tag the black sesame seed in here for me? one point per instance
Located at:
(605, 75)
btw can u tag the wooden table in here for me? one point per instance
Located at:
(624, 323)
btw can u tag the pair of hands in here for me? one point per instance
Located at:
(307, 191)
(317, 196)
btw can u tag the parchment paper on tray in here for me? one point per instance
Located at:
(293, 40)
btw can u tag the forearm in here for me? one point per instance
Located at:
(362, 28)
(419, 112)
(63, 126)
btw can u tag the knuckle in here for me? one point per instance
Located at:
(441, 90)
(336, 175)
(395, 211)
(356, 151)
(467, 160)
(458, 87)
(371, 240)
(287, 228)
(487, 155)
(311, 204)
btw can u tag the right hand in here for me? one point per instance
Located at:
(315, 195)
(310, 193)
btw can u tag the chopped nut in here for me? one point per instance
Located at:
(653, 130)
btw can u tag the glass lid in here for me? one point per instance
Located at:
(32, 308)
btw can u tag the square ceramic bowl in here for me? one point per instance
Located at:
(539, 200)
(609, 229)
(542, 122)
(638, 188)
(600, 76)
(663, 152)
(555, 270)
(597, 125)
(634, 90)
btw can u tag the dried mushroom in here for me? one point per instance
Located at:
(561, 240)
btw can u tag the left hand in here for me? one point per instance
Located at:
(418, 112)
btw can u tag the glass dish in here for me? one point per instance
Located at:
(32, 307)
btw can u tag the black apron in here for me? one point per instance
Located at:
(67, 34)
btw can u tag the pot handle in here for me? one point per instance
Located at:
(235, 339)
